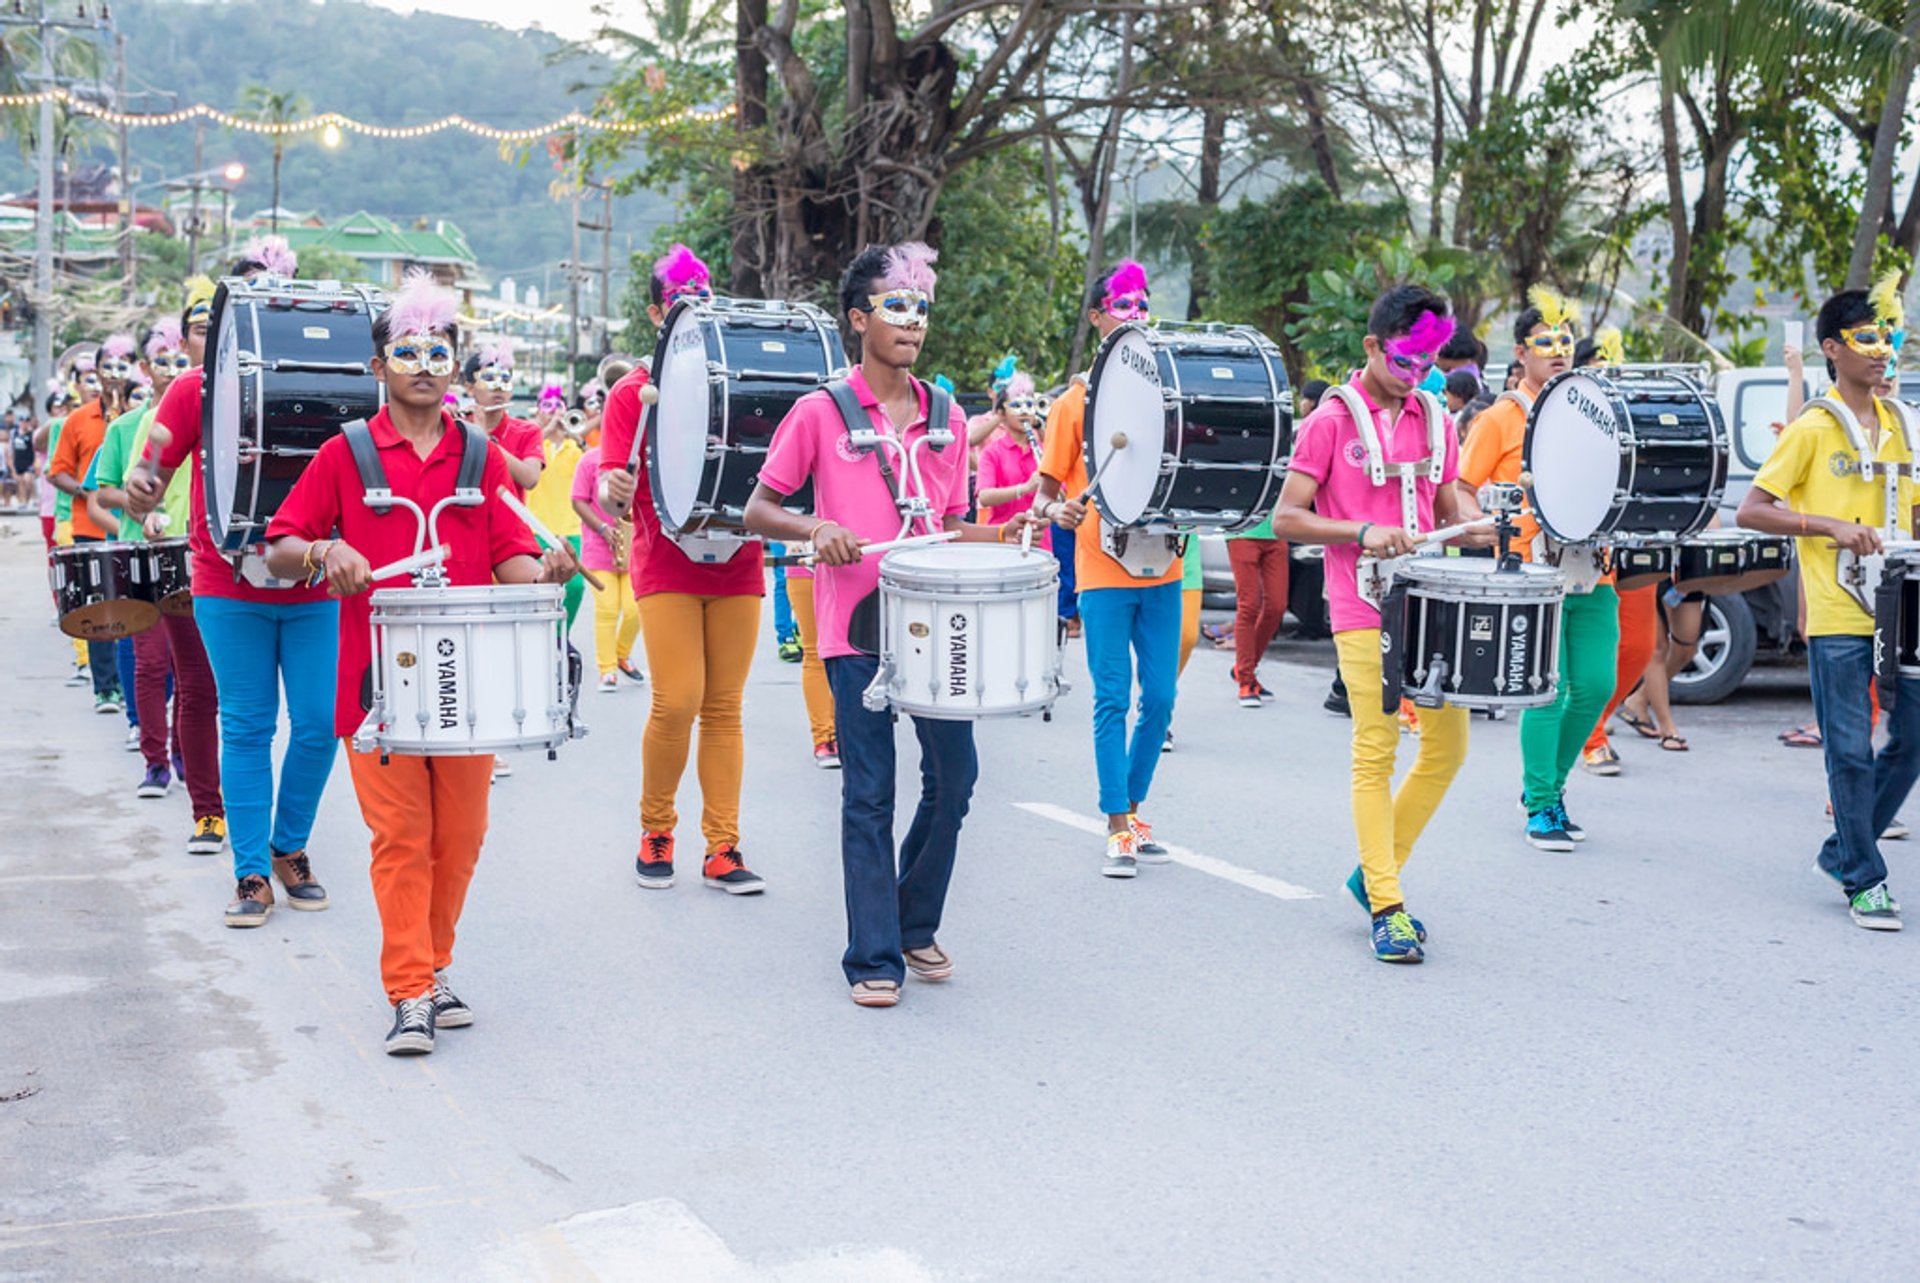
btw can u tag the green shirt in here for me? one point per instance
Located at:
(1262, 531)
(1192, 578)
(63, 504)
(125, 441)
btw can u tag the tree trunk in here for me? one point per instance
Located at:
(751, 197)
(1213, 142)
(1098, 196)
(274, 216)
(1678, 263)
(1876, 206)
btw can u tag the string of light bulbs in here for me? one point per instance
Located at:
(335, 122)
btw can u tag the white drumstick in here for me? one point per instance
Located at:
(407, 565)
(914, 541)
(1452, 532)
(541, 532)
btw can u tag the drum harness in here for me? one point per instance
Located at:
(1873, 581)
(381, 498)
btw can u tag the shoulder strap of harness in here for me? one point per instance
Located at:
(366, 460)
(854, 416)
(473, 457)
(1364, 426)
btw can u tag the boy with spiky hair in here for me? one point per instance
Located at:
(1828, 482)
(1331, 498)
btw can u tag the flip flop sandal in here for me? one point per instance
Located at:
(1802, 737)
(1646, 730)
(1673, 743)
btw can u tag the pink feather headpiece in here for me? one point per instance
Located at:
(553, 394)
(1021, 384)
(593, 388)
(1127, 278)
(1429, 334)
(56, 385)
(117, 345)
(83, 363)
(274, 254)
(163, 337)
(140, 377)
(422, 306)
(910, 267)
(497, 354)
(679, 266)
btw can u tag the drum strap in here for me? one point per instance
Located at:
(1863, 453)
(373, 477)
(1433, 464)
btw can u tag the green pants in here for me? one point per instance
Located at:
(1551, 738)
(576, 586)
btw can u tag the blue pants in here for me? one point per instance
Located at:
(1063, 553)
(888, 911)
(123, 668)
(1867, 789)
(254, 648)
(784, 629)
(1125, 626)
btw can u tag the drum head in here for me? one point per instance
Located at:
(967, 566)
(1124, 395)
(1573, 452)
(220, 411)
(682, 419)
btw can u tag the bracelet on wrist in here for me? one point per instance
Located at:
(1361, 538)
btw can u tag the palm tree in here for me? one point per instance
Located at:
(277, 107)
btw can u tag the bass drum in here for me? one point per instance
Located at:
(1625, 456)
(728, 370)
(1208, 418)
(286, 368)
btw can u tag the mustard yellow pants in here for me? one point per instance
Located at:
(699, 650)
(1387, 823)
(616, 620)
(813, 669)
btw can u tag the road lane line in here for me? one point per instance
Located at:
(1210, 864)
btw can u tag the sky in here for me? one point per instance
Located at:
(573, 19)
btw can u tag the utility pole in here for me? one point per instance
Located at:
(193, 218)
(126, 170)
(573, 297)
(605, 270)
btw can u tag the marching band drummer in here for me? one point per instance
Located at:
(1810, 487)
(258, 640)
(698, 621)
(428, 815)
(1330, 499)
(893, 915)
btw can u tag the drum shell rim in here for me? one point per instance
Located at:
(1015, 578)
(1527, 581)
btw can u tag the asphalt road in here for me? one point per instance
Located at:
(1667, 1055)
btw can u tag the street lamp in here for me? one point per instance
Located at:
(331, 137)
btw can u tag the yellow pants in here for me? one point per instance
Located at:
(699, 650)
(1388, 823)
(813, 669)
(1189, 624)
(616, 621)
(63, 538)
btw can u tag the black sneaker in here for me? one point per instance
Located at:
(412, 1032)
(654, 865)
(1336, 701)
(252, 902)
(1545, 833)
(448, 1011)
(726, 870)
(295, 875)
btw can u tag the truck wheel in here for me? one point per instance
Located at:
(1726, 653)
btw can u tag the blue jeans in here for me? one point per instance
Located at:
(888, 911)
(1867, 789)
(254, 648)
(123, 669)
(1063, 553)
(1124, 625)
(784, 629)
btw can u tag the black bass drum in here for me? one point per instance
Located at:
(728, 370)
(1208, 418)
(287, 366)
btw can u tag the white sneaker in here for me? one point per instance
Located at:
(1121, 861)
(1896, 832)
(133, 739)
(502, 768)
(609, 683)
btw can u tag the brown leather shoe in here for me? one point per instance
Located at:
(929, 963)
(296, 877)
(252, 902)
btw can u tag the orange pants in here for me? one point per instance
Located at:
(699, 650)
(1189, 625)
(429, 817)
(1639, 636)
(813, 669)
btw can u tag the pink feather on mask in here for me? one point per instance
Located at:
(910, 267)
(83, 363)
(553, 394)
(274, 254)
(1128, 278)
(163, 337)
(497, 354)
(117, 345)
(422, 306)
(679, 266)
(1021, 384)
(1428, 335)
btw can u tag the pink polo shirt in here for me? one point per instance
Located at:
(849, 489)
(594, 553)
(1007, 460)
(1327, 448)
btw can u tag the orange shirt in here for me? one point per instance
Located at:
(1064, 460)
(79, 442)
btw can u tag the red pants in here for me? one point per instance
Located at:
(429, 817)
(1260, 584)
(1639, 637)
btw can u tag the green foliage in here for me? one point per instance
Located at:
(1333, 322)
(330, 265)
(1800, 201)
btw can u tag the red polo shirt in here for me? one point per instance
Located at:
(657, 562)
(213, 575)
(521, 440)
(328, 497)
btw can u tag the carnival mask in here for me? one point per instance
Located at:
(421, 353)
(906, 308)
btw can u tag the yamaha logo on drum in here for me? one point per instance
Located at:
(690, 337)
(959, 655)
(1517, 656)
(1140, 363)
(1591, 410)
(444, 647)
(447, 685)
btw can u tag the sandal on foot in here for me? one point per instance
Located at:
(1646, 729)
(876, 993)
(1673, 743)
(1802, 737)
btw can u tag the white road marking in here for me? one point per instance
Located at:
(1211, 864)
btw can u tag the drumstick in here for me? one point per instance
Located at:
(1119, 442)
(1451, 532)
(649, 393)
(407, 565)
(541, 532)
(867, 550)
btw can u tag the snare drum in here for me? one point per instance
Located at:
(168, 569)
(1208, 417)
(1723, 562)
(968, 631)
(1642, 565)
(1474, 633)
(458, 672)
(728, 370)
(286, 369)
(103, 590)
(1624, 455)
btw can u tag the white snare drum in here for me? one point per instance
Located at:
(968, 631)
(459, 672)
